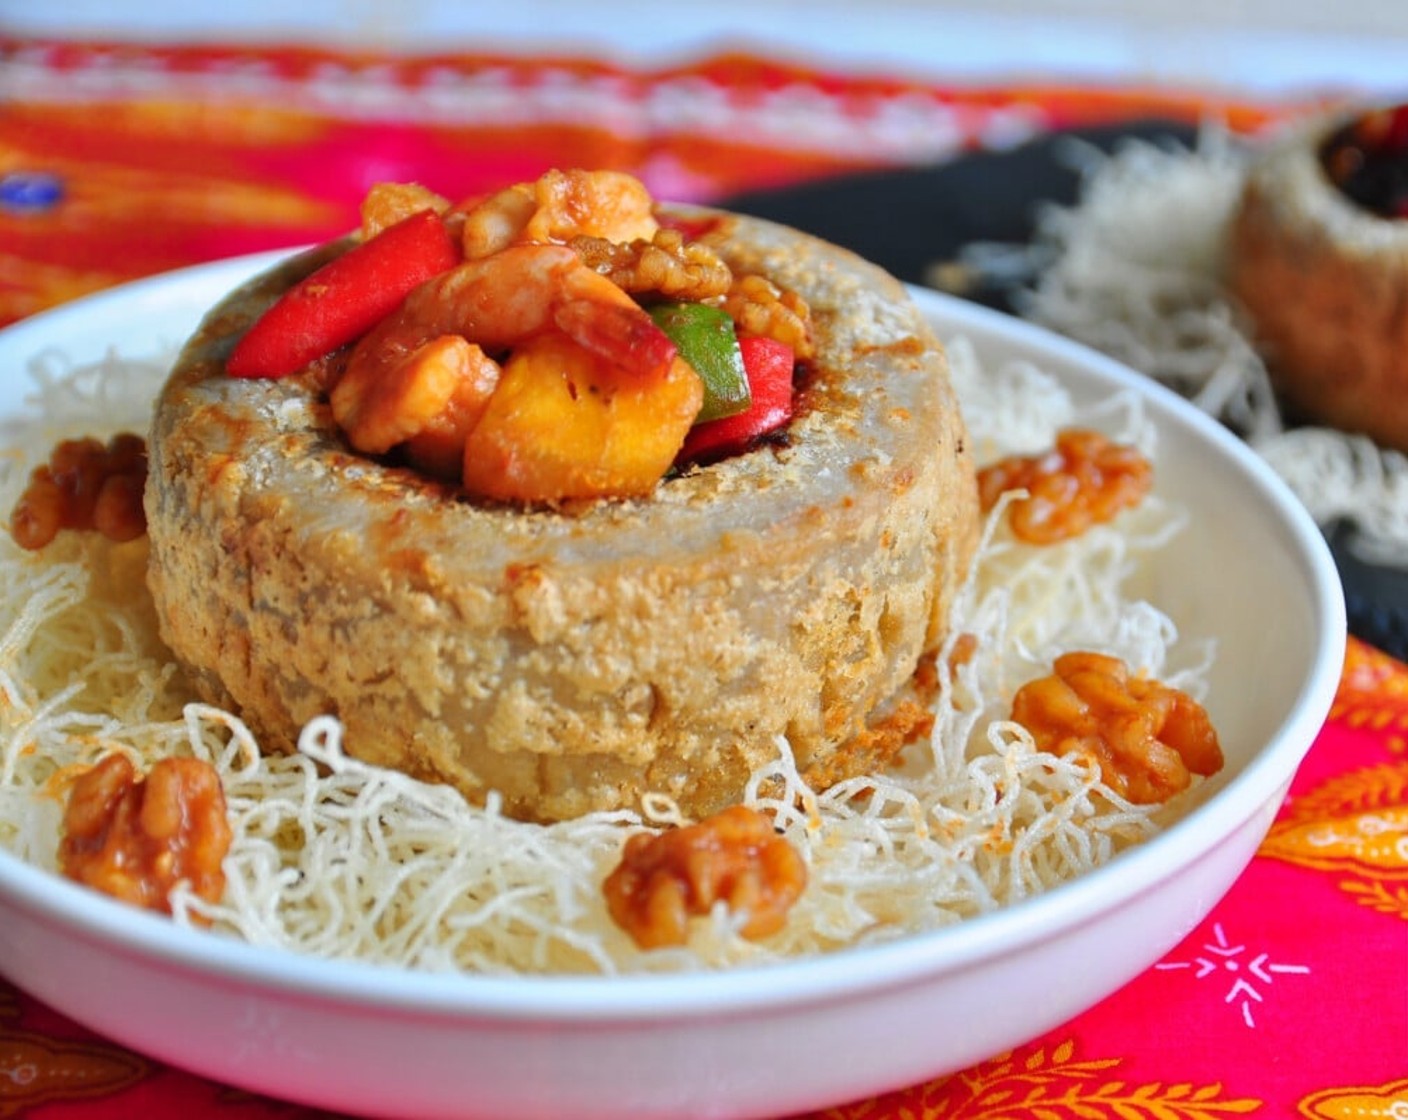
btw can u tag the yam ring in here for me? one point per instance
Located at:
(573, 660)
(1325, 284)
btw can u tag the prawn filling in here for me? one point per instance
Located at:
(595, 402)
(567, 657)
(554, 277)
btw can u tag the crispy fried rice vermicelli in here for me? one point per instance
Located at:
(340, 859)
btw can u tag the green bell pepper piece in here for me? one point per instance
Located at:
(706, 339)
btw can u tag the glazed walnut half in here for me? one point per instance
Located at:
(1147, 738)
(734, 857)
(1084, 480)
(136, 837)
(86, 485)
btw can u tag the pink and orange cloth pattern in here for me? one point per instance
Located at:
(119, 161)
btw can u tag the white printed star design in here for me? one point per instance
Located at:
(1224, 959)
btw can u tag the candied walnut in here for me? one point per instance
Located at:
(667, 265)
(760, 307)
(1148, 739)
(1084, 480)
(85, 485)
(733, 856)
(135, 838)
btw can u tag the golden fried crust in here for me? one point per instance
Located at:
(573, 660)
(1325, 283)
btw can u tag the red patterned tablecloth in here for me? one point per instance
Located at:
(119, 161)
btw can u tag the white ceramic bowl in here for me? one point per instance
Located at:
(1252, 570)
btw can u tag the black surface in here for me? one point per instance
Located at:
(1375, 597)
(908, 220)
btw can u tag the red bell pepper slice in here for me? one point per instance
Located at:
(768, 364)
(345, 298)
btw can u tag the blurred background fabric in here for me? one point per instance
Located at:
(137, 138)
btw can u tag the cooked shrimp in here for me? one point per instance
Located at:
(432, 390)
(388, 203)
(438, 448)
(561, 205)
(524, 291)
(496, 222)
(422, 375)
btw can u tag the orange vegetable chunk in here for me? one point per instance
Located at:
(563, 423)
